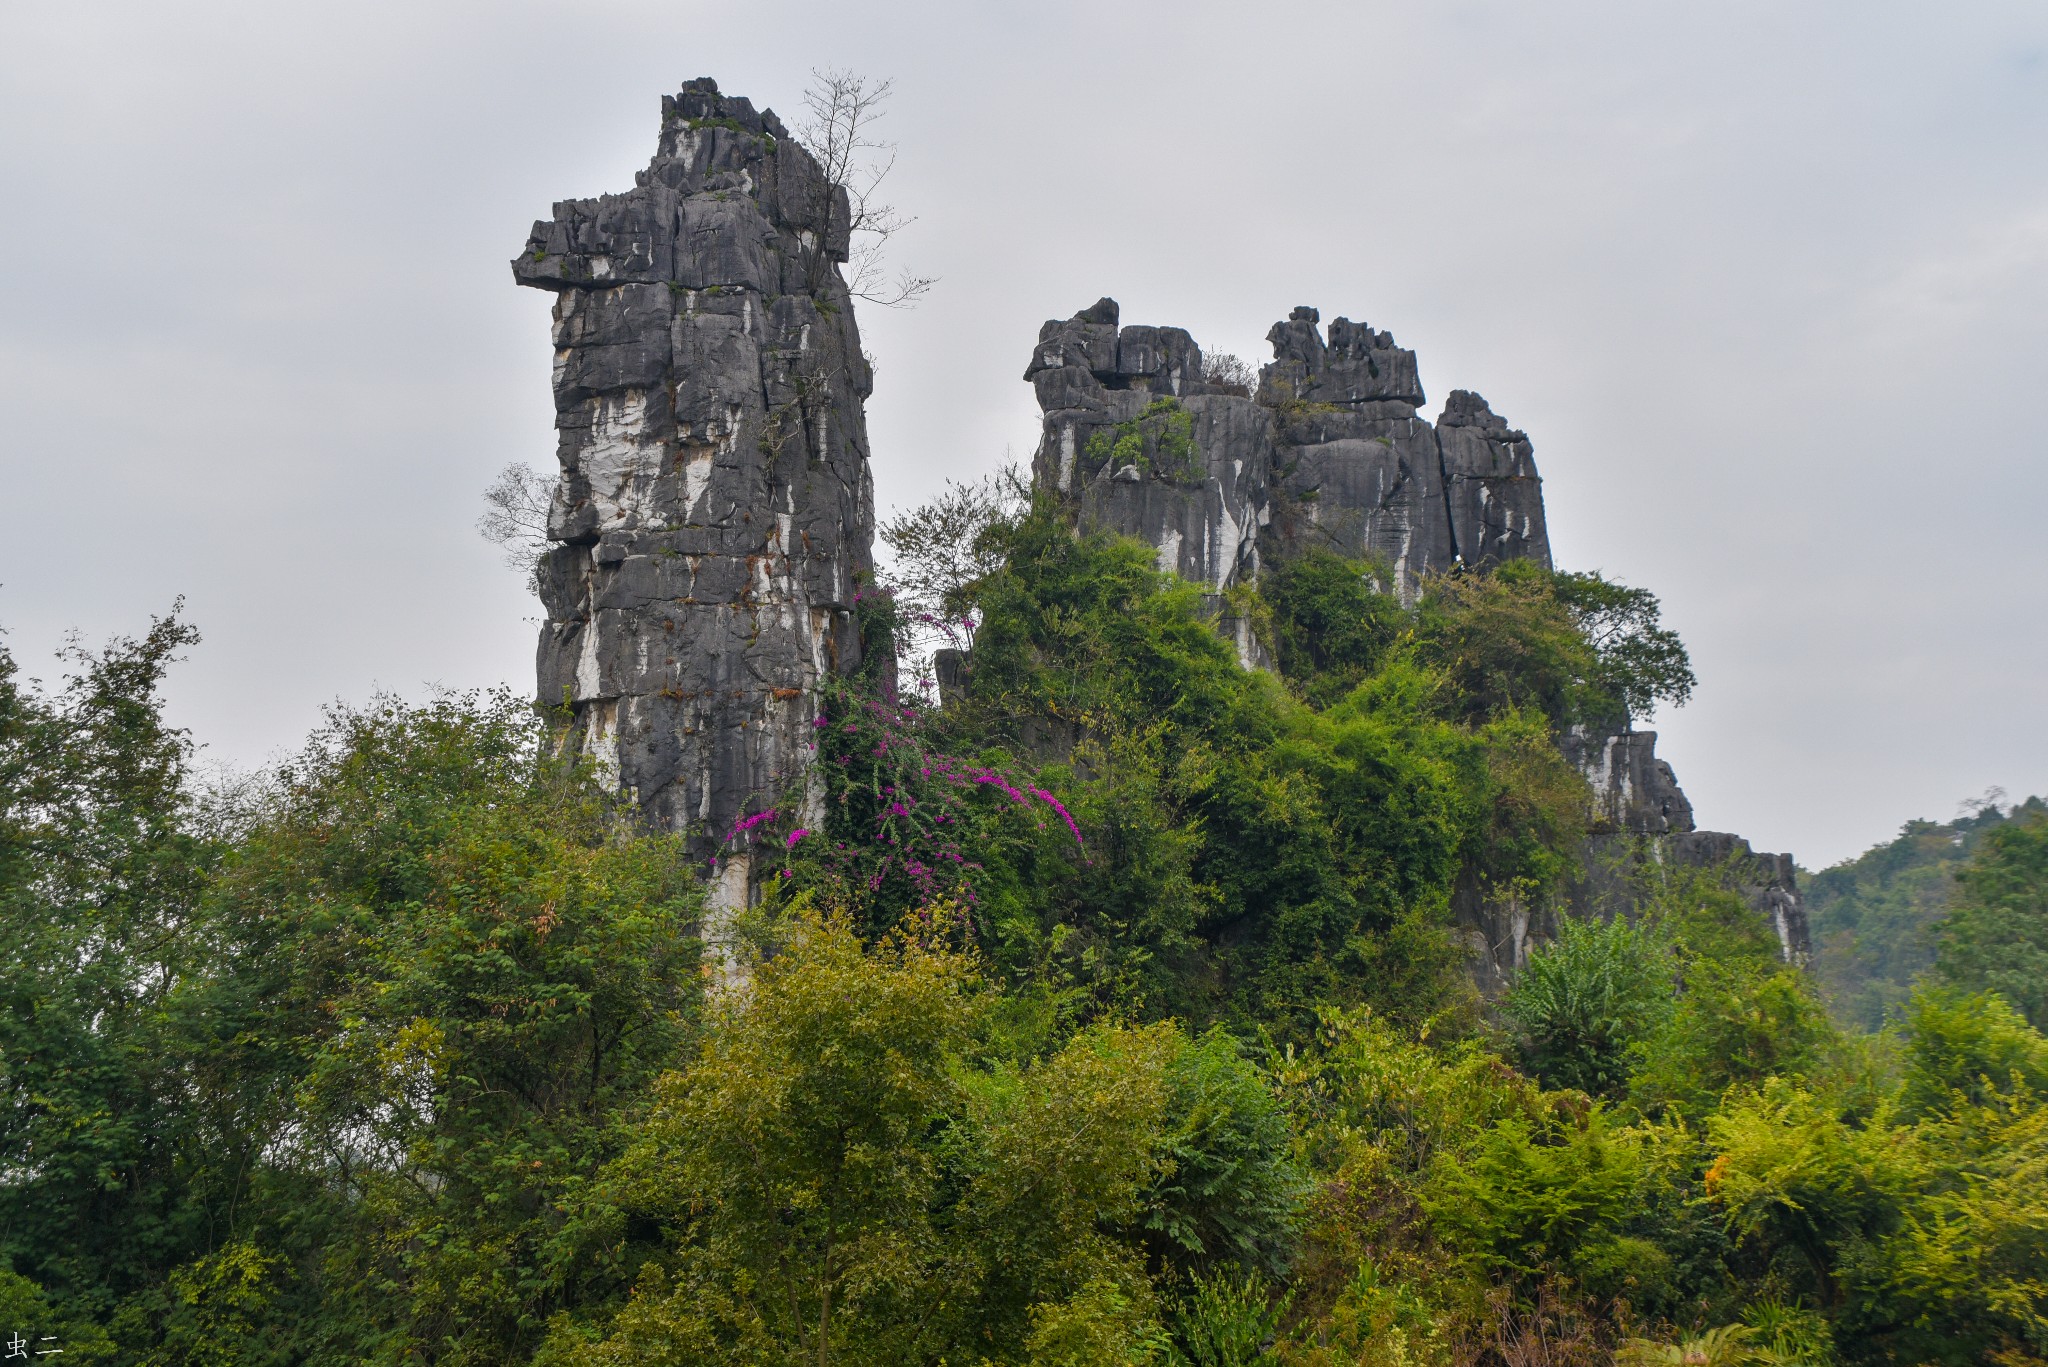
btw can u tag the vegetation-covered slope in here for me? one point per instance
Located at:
(1112, 1013)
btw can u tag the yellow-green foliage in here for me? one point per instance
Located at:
(842, 1177)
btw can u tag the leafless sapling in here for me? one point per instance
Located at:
(841, 109)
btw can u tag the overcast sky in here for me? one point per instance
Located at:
(1767, 284)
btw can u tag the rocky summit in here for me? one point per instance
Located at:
(1329, 451)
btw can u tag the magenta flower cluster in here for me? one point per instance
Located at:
(748, 823)
(906, 802)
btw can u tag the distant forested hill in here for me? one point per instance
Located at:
(1873, 916)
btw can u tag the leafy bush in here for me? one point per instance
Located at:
(1333, 624)
(1583, 1001)
(1225, 1322)
(1229, 1192)
(1968, 1050)
(841, 1175)
(1545, 1194)
(1579, 649)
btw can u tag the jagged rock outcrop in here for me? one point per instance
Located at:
(1642, 818)
(1641, 829)
(715, 514)
(1137, 438)
(1356, 471)
(1634, 792)
(1332, 452)
(1132, 431)
(1491, 489)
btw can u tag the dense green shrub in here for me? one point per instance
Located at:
(1585, 999)
(1333, 622)
(1229, 1190)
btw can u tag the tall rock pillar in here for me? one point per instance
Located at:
(715, 515)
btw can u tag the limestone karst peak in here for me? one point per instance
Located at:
(715, 515)
(1332, 454)
(714, 520)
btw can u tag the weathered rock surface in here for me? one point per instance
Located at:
(1634, 792)
(1491, 489)
(1136, 438)
(715, 513)
(1331, 452)
(1641, 830)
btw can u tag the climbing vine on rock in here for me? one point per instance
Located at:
(1159, 442)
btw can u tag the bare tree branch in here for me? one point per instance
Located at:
(1227, 373)
(515, 516)
(841, 109)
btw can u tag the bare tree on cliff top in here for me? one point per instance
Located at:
(841, 111)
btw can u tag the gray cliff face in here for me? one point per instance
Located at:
(1133, 434)
(1332, 453)
(1140, 443)
(715, 514)
(1357, 472)
(1491, 488)
(1634, 792)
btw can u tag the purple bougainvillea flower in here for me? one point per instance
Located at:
(990, 776)
(747, 823)
(1065, 816)
(798, 834)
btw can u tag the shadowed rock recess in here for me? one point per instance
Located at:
(715, 514)
(1330, 452)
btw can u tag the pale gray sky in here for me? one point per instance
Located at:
(1767, 285)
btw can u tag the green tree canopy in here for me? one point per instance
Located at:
(1997, 934)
